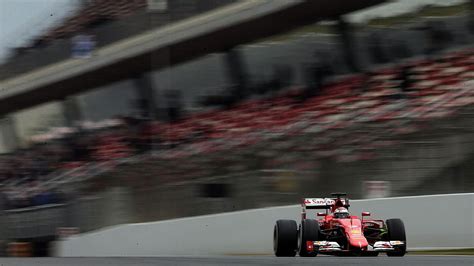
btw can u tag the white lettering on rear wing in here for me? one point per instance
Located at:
(319, 203)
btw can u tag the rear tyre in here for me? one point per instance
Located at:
(396, 231)
(285, 238)
(309, 231)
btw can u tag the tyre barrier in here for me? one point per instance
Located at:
(19, 249)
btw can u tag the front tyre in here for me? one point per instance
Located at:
(285, 238)
(396, 231)
(309, 231)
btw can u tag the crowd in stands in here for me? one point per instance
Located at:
(26, 169)
(48, 153)
(426, 84)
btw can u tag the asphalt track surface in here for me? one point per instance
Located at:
(244, 260)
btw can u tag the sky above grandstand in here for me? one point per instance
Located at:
(22, 20)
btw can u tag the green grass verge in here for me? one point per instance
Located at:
(468, 251)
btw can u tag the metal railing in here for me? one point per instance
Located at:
(106, 34)
(33, 222)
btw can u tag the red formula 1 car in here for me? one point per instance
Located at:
(337, 232)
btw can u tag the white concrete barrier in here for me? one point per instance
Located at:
(439, 221)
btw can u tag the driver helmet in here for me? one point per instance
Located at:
(341, 213)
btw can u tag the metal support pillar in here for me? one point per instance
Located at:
(348, 44)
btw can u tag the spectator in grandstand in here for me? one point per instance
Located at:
(317, 74)
(137, 133)
(3, 170)
(35, 166)
(404, 81)
(365, 83)
(79, 147)
(8, 172)
(405, 78)
(144, 137)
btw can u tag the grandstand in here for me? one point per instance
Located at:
(159, 48)
(406, 122)
(339, 125)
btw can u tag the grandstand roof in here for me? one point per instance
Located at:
(215, 31)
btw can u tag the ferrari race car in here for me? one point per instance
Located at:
(337, 232)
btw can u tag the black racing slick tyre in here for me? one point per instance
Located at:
(309, 231)
(396, 231)
(285, 238)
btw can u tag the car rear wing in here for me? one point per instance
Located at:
(322, 204)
